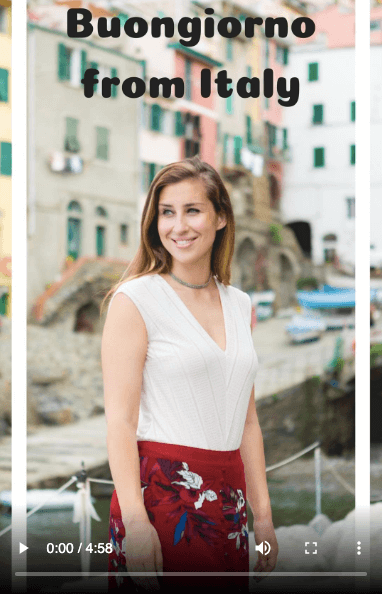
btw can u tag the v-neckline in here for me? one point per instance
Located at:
(194, 321)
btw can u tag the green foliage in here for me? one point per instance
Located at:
(275, 231)
(306, 282)
(375, 353)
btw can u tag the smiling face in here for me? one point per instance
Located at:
(187, 222)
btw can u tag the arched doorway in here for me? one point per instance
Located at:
(287, 286)
(87, 318)
(246, 258)
(303, 234)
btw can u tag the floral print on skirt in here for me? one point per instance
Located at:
(196, 500)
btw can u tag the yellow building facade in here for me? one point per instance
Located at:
(5, 159)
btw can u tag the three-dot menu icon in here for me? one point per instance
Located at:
(359, 547)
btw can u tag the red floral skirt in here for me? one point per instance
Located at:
(196, 500)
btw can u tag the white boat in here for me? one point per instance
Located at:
(305, 326)
(64, 500)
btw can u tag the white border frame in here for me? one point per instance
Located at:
(19, 278)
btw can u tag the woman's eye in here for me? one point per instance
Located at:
(193, 209)
(166, 210)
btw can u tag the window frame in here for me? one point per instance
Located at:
(315, 157)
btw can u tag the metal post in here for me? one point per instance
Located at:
(317, 468)
(82, 476)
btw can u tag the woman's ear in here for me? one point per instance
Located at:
(222, 221)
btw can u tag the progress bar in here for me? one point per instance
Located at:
(192, 573)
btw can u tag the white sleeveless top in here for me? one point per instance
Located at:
(193, 393)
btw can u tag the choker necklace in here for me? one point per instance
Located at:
(189, 284)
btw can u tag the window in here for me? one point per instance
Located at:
(100, 240)
(249, 72)
(149, 170)
(318, 114)
(319, 157)
(313, 71)
(229, 50)
(272, 137)
(102, 151)
(248, 125)
(279, 54)
(191, 148)
(352, 154)
(3, 85)
(167, 122)
(100, 212)
(286, 56)
(3, 19)
(5, 158)
(123, 235)
(229, 101)
(188, 89)
(72, 64)
(352, 111)
(350, 208)
(123, 18)
(74, 206)
(266, 103)
(375, 25)
(71, 143)
(74, 238)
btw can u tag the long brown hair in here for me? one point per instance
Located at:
(151, 256)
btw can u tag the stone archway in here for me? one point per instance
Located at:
(87, 318)
(287, 285)
(246, 259)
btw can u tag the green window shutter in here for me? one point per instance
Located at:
(123, 233)
(74, 238)
(286, 56)
(71, 141)
(102, 143)
(156, 113)
(113, 72)
(94, 65)
(123, 18)
(313, 71)
(188, 89)
(100, 241)
(352, 111)
(319, 157)
(352, 154)
(266, 53)
(83, 63)
(63, 62)
(4, 304)
(229, 101)
(237, 143)
(229, 49)
(248, 122)
(285, 138)
(179, 127)
(3, 85)
(249, 72)
(5, 158)
(318, 114)
(151, 172)
(225, 148)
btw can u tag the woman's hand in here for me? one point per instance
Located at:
(264, 532)
(143, 552)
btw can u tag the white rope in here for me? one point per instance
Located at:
(298, 455)
(341, 480)
(93, 480)
(37, 507)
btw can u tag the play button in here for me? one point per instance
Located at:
(22, 548)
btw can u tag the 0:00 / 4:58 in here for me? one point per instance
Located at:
(68, 547)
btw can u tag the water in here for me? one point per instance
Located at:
(289, 506)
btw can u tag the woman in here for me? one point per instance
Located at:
(185, 447)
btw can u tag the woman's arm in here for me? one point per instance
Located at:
(252, 455)
(123, 352)
(124, 348)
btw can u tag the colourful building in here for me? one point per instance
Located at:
(5, 158)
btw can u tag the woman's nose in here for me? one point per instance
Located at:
(180, 224)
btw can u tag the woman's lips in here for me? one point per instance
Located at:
(183, 243)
